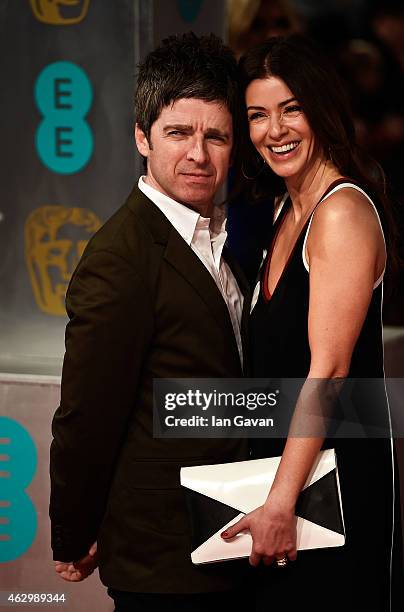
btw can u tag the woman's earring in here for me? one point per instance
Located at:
(263, 164)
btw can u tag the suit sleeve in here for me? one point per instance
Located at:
(107, 337)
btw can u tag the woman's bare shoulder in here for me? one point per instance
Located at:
(346, 210)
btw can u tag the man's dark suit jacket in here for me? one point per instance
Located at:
(141, 306)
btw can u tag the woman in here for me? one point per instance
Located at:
(318, 316)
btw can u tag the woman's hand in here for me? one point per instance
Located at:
(273, 530)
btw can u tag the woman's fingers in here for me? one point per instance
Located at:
(255, 558)
(267, 560)
(271, 541)
(232, 531)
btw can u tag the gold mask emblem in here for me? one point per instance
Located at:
(55, 238)
(60, 12)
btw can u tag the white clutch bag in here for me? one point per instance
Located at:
(219, 495)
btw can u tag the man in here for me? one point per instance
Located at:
(154, 296)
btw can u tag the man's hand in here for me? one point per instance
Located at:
(78, 570)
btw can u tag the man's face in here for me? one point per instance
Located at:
(188, 153)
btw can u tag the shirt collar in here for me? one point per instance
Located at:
(184, 219)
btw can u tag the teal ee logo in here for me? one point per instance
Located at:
(63, 94)
(18, 461)
(189, 9)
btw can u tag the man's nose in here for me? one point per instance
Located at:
(198, 151)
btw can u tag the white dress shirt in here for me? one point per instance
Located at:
(206, 237)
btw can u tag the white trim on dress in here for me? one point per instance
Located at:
(336, 188)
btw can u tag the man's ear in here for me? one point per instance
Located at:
(141, 141)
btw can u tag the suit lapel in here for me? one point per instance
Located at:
(188, 264)
(179, 255)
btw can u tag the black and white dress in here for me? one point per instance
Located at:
(359, 575)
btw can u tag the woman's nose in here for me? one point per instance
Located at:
(276, 127)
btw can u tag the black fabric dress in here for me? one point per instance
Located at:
(357, 576)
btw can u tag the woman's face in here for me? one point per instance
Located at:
(279, 129)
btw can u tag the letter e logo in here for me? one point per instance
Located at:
(18, 461)
(64, 140)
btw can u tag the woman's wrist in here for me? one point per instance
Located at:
(284, 500)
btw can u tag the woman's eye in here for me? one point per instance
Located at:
(255, 116)
(293, 110)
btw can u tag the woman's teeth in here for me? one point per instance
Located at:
(285, 148)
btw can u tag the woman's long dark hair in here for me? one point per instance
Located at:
(303, 67)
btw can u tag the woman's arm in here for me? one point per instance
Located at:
(346, 254)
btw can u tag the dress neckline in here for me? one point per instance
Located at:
(267, 295)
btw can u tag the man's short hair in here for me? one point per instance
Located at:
(187, 66)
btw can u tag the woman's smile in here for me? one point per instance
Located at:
(285, 151)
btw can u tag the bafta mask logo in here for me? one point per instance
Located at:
(60, 12)
(55, 238)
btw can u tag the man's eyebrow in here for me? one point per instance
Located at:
(177, 126)
(281, 104)
(189, 128)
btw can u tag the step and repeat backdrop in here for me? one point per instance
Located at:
(68, 161)
(68, 156)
